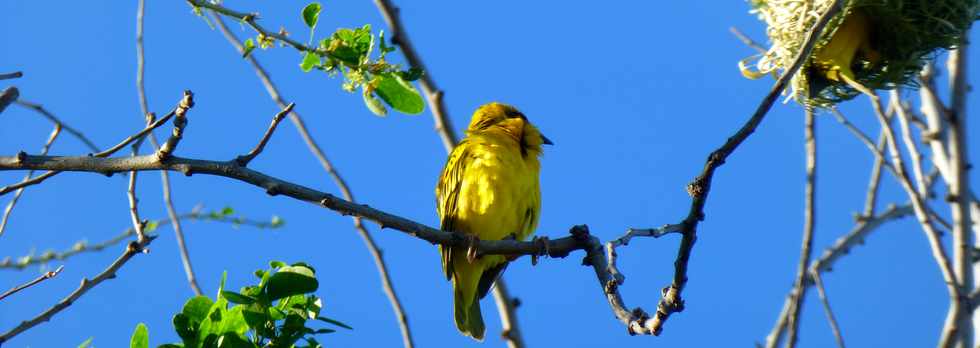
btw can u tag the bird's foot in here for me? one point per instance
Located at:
(471, 252)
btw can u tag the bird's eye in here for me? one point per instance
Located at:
(515, 114)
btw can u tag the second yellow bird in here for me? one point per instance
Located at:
(489, 189)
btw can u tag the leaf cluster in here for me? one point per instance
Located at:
(275, 313)
(349, 52)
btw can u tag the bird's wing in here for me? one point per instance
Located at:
(447, 194)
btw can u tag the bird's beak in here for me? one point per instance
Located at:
(545, 140)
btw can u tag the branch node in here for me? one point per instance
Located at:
(272, 189)
(21, 156)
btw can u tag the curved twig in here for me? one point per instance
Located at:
(317, 152)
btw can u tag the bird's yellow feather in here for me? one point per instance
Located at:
(489, 189)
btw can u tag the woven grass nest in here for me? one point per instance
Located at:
(877, 44)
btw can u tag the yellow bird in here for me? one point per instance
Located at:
(851, 40)
(489, 189)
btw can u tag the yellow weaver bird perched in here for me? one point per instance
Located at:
(488, 190)
(851, 40)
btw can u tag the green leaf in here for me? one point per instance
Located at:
(277, 264)
(235, 297)
(310, 60)
(227, 211)
(331, 321)
(211, 325)
(232, 322)
(196, 309)
(141, 337)
(291, 280)
(399, 94)
(86, 343)
(311, 14)
(185, 329)
(151, 226)
(373, 103)
(170, 345)
(249, 47)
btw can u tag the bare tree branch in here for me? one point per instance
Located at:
(185, 257)
(815, 275)
(671, 301)
(51, 117)
(83, 246)
(132, 249)
(747, 40)
(40, 178)
(8, 96)
(433, 94)
(829, 258)
(444, 128)
(507, 306)
(43, 277)
(13, 201)
(959, 186)
(934, 111)
(243, 160)
(809, 216)
(957, 306)
(133, 210)
(13, 75)
(914, 154)
(317, 152)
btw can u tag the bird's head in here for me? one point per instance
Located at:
(502, 118)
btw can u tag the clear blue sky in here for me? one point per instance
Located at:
(635, 95)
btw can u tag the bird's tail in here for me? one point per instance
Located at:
(466, 303)
(469, 319)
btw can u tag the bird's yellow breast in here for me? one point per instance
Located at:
(498, 192)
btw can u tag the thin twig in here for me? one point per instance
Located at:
(180, 121)
(13, 75)
(959, 184)
(185, 257)
(624, 240)
(433, 94)
(43, 277)
(249, 19)
(747, 40)
(829, 258)
(935, 112)
(13, 201)
(133, 210)
(671, 301)
(444, 128)
(871, 199)
(510, 330)
(297, 121)
(51, 117)
(809, 217)
(818, 281)
(913, 151)
(8, 96)
(243, 160)
(132, 249)
(957, 309)
(40, 178)
(82, 246)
